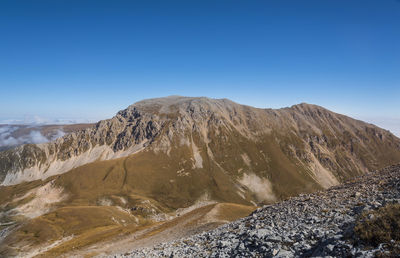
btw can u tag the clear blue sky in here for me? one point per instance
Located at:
(89, 59)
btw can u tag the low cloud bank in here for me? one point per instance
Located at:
(8, 139)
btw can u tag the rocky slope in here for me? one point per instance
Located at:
(322, 224)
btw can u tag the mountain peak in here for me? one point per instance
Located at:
(174, 100)
(171, 104)
(308, 106)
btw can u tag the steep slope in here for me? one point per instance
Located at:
(161, 155)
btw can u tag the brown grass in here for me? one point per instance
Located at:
(184, 219)
(88, 224)
(380, 226)
(232, 211)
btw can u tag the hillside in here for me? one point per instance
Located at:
(158, 156)
(358, 219)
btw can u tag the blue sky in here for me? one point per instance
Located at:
(89, 59)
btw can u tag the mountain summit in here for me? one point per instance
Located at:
(159, 156)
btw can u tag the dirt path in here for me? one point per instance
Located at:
(188, 224)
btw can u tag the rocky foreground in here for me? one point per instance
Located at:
(320, 224)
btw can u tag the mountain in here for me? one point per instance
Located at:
(159, 156)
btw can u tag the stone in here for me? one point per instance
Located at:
(275, 252)
(330, 247)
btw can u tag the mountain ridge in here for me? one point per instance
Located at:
(113, 137)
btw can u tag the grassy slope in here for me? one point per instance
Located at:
(88, 224)
(156, 177)
(93, 224)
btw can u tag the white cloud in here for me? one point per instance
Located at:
(9, 126)
(9, 138)
(7, 130)
(58, 134)
(35, 136)
(5, 136)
